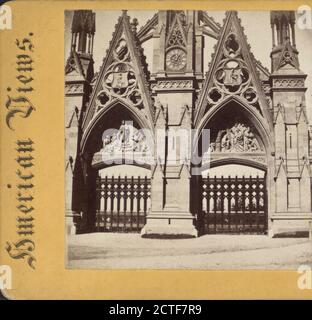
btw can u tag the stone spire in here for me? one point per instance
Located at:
(284, 52)
(83, 29)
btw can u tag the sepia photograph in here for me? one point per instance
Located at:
(155, 151)
(187, 139)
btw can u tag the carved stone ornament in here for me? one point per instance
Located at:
(120, 80)
(288, 83)
(176, 35)
(238, 138)
(174, 84)
(232, 76)
(72, 89)
(126, 139)
(73, 64)
(288, 58)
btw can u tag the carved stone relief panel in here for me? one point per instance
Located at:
(238, 138)
(288, 83)
(126, 138)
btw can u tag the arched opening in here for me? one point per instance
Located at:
(115, 168)
(233, 179)
(109, 121)
(232, 132)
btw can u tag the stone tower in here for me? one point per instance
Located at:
(292, 170)
(176, 78)
(78, 75)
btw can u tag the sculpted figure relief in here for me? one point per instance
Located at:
(238, 138)
(127, 138)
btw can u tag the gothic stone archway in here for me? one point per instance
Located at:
(178, 95)
(232, 201)
(107, 202)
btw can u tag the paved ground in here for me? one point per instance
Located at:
(130, 251)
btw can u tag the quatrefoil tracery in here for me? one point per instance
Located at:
(231, 76)
(120, 81)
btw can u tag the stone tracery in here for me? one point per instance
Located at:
(232, 76)
(120, 80)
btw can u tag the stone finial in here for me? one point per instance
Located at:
(134, 25)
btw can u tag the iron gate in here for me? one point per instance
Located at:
(122, 203)
(233, 205)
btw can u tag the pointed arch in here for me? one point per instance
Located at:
(135, 115)
(232, 56)
(252, 114)
(123, 74)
